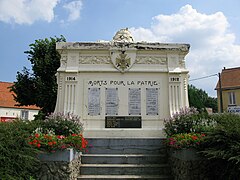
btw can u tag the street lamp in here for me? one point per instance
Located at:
(220, 92)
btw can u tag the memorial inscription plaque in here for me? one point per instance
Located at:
(93, 101)
(152, 101)
(111, 101)
(123, 122)
(134, 101)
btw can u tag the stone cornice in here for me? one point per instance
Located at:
(108, 45)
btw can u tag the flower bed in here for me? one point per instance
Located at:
(185, 140)
(60, 142)
(184, 137)
(58, 132)
(50, 142)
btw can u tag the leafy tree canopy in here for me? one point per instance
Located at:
(199, 99)
(38, 86)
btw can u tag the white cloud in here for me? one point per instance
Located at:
(212, 44)
(27, 11)
(74, 9)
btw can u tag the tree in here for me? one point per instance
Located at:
(39, 87)
(200, 99)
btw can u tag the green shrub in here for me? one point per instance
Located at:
(222, 147)
(17, 157)
(62, 124)
(188, 120)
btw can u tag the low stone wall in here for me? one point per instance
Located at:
(57, 170)
(60, 170)
(188, 167)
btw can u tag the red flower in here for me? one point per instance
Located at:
(34, 141)
(74, 134)
(84, 143)
(194, 137)
(47, 136)
(38, 145)
(37, 135)
(50, 143)
(60, 136)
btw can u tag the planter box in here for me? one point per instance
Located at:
(66, 155)
(185, 154)
(187, 164)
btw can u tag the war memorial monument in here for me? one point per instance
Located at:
(122, 88)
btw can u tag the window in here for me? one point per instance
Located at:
(24, 114)
(232, 99)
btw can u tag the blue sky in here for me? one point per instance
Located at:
(211, 27)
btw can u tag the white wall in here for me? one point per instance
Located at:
(16, 112)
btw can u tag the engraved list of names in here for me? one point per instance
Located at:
(152, 101)
(111, 101)
(134, 101)
(93, 101)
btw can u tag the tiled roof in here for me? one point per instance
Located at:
(230, 78)
(7, 99)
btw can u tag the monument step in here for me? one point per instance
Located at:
(123, 159)
(126, 177)
(123, 133)
(126, 146)
(124, 169)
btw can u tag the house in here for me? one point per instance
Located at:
(230, 90)
(8, 108)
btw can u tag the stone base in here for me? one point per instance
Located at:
(186, 165)
(186, 154)
(57, 169)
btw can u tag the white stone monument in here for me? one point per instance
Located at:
(122, 88)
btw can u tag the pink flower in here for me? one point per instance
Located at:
(63, 147)
(172, 143)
